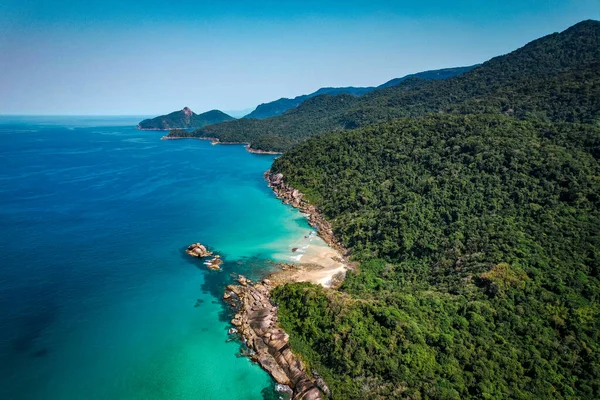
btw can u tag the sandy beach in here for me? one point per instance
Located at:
(312, 261)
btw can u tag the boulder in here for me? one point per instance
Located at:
(214, 263)
(198, 250)
(321, 384)
(276, 179)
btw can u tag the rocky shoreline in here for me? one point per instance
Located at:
(257, 322)
(217, 141)
(293, 197)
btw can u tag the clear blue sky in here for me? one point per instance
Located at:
(151, 57)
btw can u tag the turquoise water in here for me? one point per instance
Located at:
(97, 298)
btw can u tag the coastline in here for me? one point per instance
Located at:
(288, 195)
(217, 141)
(256, 323)
(256, 319)
(139, 128)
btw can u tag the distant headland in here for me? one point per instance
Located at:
(184, 119)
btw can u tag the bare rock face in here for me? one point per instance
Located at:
(187, 111)
(256, 320)
(276, 179)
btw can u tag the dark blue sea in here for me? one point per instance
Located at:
(97, 298)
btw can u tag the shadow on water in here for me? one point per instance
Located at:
(33, 316)
(29, 328)
(40, 353)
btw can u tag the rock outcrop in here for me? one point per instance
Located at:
(292, 196)
(198, 250)
(256, 320)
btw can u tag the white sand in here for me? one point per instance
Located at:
(317, 263)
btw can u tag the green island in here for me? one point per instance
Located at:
(184, 119)
(474, 212)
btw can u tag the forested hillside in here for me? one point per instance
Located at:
(435, 74)
(540, 81)
(479, 242)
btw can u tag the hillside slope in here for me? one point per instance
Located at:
(479, 242)
(433, 75)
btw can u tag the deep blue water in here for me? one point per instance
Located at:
(97, 298)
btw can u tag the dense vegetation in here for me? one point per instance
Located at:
(185, 119)
(436, 74)
(479, 242)
(555, 78)
(280, 106)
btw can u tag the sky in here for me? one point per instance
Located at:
(146, 58)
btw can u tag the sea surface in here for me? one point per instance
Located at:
(97, 298)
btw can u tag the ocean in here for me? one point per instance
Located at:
(97, 298)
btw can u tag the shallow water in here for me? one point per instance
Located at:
(97, 298)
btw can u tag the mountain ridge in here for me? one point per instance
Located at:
(525, 83)
(278, 107)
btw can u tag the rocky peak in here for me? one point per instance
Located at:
(187, 111)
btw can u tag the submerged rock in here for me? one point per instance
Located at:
(198, 302)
